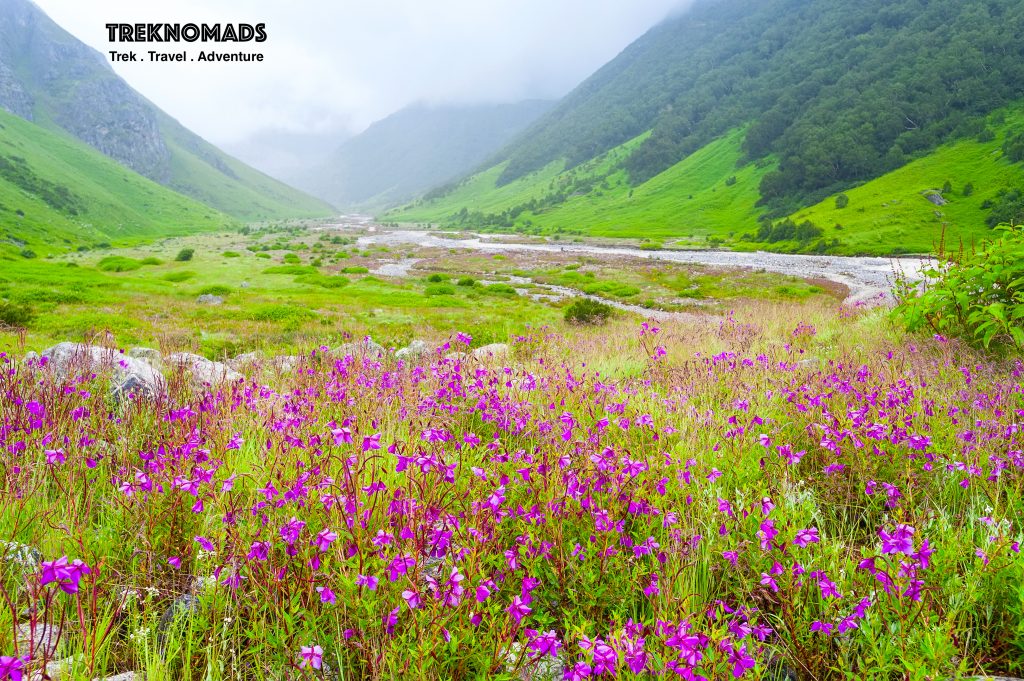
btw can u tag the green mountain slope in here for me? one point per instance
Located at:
(57, 193)
(711, 197)
(49, 77)
(726, 120)
(416, 149)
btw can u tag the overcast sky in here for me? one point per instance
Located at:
(333, 64)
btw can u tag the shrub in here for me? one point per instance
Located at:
(18, 316)
(501, 290)
(976, 296)
(439, 290)
(437, 278)
(290, 269)
(265, 256)
(292, 259)
(178, 277)
(118, 263)
(355, 269)
(611, 288)
(842, 201)
(185, 254)
(28, 253)
(968, 189)
(151, 261)
(587, 311)
(231, 254)
(322, 280)
(215, 290)
(466, 281)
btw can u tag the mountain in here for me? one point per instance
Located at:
(415, 149)
(737, 116)
(50, 78)
(57, 193)
(287, 154)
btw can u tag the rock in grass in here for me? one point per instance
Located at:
(285, 363)
(361, 348)
(25, 557)
(150, 356)
(414, 350)
(492, 351)
(246, 360)
(42, 639)
(123, 676)
(130, 375)
(204, 370)
(180, 608)
(209, 299)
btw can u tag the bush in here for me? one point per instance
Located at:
(151, 261)
(185, 254)
(437, 278)
(842, 201)
(501, 290)
(28, 253)
(292, 259)
(231, 254)
(118, 263)
(215, 290)
(466, 281)
(18, 316)
(290, 269)
(587, 311)
(322, 280)
(968, 189)
(977, 296)
(355, 269)
(439, 290)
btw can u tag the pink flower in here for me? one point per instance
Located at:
(324, 539)
(312, 656)
(326, 595)
(67, 575)
(175, 562)
(371, 442)
(806, 537)
(900, 540)
(412, 599)
(12, 667)
(518, 609)
(55, 457)
(369, 582)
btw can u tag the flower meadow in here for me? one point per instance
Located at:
(733, 499)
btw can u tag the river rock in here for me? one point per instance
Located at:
(209, 299)
(494, 350)
(204, 370)
(130, 375)
(414, 350)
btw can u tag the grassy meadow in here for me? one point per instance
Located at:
(792, 490)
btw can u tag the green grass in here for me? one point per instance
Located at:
(893, 211)
(710, 198)
(104, 201)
